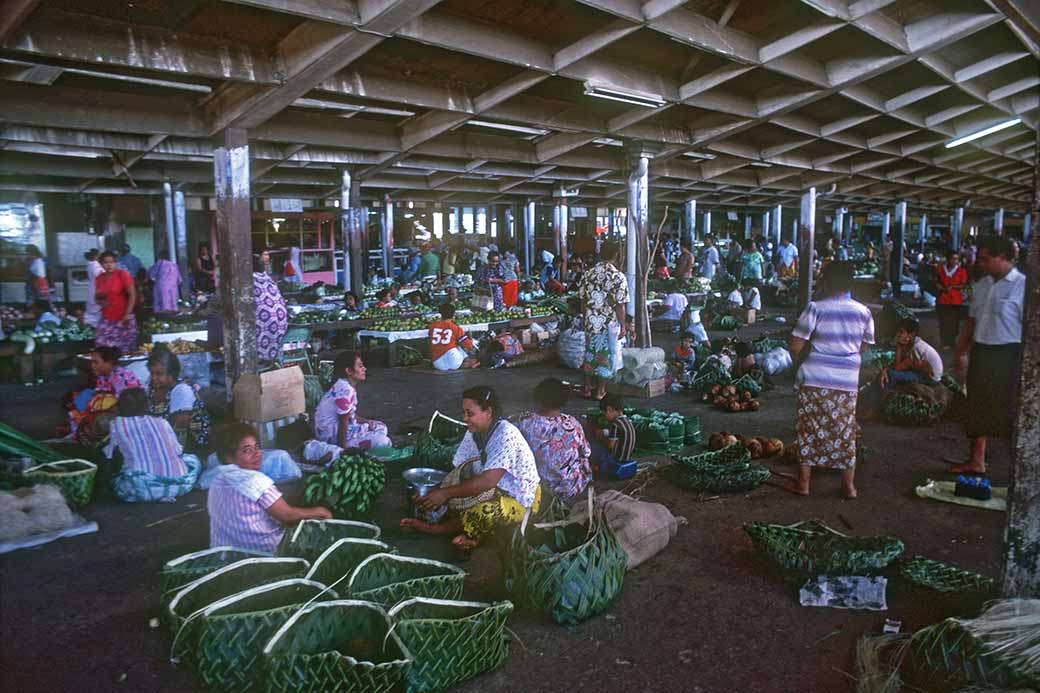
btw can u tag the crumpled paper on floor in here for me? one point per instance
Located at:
(848, 592)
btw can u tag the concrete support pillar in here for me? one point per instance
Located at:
(561, 216)
(690, 222)
(171, 229)
(922, 230)
(794, 231)
(778, 216)
(895, 271)
(638, 232)
(1027, 228)
(806, 241)
(998, 222)
(765, 225)
(529, 236)
(747, 226)
(885, 224)
(839, 225)
(234, 237)
(957, 228)
(353, 224)
(388, 237)
(180, 226)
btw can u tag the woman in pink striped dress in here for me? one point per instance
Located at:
(246, 509)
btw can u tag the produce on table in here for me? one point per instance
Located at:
(380, 312)
(50, 333)
(177, 346)
(10, 313)
(348, 486)
(156, 326)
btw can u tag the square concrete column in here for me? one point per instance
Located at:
(806, 242)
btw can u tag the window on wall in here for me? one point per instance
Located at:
(467, 219)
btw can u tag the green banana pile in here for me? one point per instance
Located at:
(348, 486)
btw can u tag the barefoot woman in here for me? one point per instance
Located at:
(833, 330)
(495, 479)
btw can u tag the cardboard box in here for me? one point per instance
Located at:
(747, 315)
(270, 396)
(653, 388)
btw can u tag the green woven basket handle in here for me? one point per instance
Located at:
(437, 415)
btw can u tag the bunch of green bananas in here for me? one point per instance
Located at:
(348, 486)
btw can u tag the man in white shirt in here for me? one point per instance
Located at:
(735, 299)
(787, 259)
(989, 349)
(916, 360)
(709, 259)
(674, 305)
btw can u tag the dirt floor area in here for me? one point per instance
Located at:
(707, 614)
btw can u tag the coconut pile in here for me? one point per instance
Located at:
(26, 512)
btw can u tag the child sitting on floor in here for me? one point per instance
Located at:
(449, 343)
(618, 440)
(683, 360)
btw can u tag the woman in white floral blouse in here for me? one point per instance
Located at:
(495, 480)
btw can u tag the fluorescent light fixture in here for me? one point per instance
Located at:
(608, 142)
(510, 128)
(699, 155)
(614, 94)
(982, 133)
(761, 164)
(349, 107)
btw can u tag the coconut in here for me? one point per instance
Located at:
(716, 389)
(753, 405)
(715, 441)
(734, 406)
(730, 439)
(755, 448)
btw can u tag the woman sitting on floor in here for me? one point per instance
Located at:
(177, 401)
(336, 421)
(495, 480)
(558, 442)
(92, 408)
(154, 468)
(246, 510)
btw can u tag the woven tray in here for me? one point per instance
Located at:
(943, 577)
(342, 645)
(191, 566)
(388, 579)
(811, 548)
(311, 538)
(906, 410)
(450, 641)
(334, 566)
(741, 477)
(728, 456)
(75, 478)
(223, 642)
(223, 582)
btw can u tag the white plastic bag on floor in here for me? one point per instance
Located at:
(315, 450)
(775, 361)
(571, 347)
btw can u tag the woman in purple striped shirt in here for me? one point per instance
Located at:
(828, 339)
(246, 509)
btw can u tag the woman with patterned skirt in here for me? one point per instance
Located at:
(272, 317)
(828, 339)
(495, 478)
(117, 295)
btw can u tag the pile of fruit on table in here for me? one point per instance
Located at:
(157, 326)
(401, 324)
(51, 333)
(177, 346)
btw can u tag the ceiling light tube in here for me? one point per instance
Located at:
(507, 126)
(982, 133)
(634, 98)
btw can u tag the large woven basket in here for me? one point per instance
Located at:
(721, 471)
(311, 537)
(433, 453)
(342, 645)
(191, 566)
(223, 582)
(334, 566)
(450, 641)
(388, 579)
(223, 642)
(943, 577)
(75, 478)
(807, 549)
(573, 584)
(950, 657)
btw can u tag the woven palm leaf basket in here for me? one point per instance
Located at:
(191, 566)
(810, 548)
(450, 641)
(334, 566)
(565, 569)
(223, 582)
(223, 642)
(943, 577)
(341, 645)
(75, 478)
(746, 383)
(721, 471)
(311, 537)
(387, 579)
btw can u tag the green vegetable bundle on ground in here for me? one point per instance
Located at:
(348, 486)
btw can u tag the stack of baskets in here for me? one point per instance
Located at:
(727, 470)
(315, 617)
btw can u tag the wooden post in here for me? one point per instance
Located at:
(806, 241)
(234, 237)
(1021, 576)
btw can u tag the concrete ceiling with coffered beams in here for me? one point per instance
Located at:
(762, 98)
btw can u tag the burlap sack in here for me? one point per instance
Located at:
(644, 529)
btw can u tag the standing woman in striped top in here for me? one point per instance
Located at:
(828, 339)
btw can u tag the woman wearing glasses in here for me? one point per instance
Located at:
(246, 509)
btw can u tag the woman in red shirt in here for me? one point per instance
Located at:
(117, 296)
(951, 279)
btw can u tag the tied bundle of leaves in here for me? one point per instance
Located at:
(348, 486)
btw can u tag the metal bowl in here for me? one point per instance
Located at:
(420, 481)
